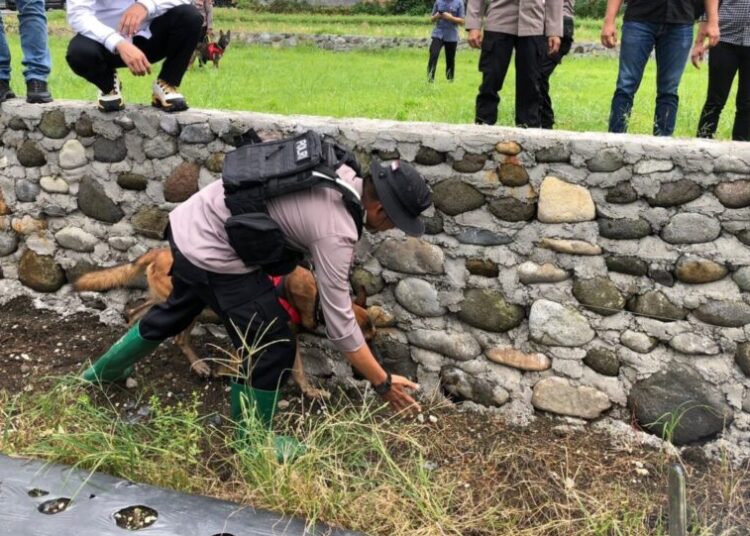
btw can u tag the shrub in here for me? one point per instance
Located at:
(594, 9)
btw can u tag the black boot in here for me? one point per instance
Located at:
(37, 92)
(5, 91)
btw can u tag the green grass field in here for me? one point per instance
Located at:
(387, 84)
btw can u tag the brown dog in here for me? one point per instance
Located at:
(299, 290)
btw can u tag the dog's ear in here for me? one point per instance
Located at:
(221, 34)
(361, 298)
(229, 34)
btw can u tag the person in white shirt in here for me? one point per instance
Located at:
(122, 33)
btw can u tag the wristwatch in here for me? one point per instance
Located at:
(383, 388)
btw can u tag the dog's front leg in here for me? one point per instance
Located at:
(197, 365)
(300, 378)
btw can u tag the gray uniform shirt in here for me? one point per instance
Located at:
(516, 17)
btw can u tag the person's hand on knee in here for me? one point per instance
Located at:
(134, 58)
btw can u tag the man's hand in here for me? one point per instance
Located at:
(398, 397)
(711, 30)
(475, 38)
(553, 45)
(609, 34)
(698, 54)
(132, 19)
(134, 58)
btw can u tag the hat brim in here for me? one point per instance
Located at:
(411, 225)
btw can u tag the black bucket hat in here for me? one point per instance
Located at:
(404, 194)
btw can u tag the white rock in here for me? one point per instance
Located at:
(561, 202)
(557, 395)
(76, 239)
(692, 343)
(557, 325)
(638, 342)
(72, 155)
(54, 185)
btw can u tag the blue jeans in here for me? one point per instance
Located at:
(672, 43)
(32, 21)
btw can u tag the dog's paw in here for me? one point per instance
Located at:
(201, 368)
(316, 394)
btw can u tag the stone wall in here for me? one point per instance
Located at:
(578, 274)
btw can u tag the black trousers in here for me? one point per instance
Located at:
(549, 63)
(494, 61)
(724, 62)
(174, 36)
(247, 305)
(450, 58)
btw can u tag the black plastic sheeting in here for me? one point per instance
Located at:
(26, 487)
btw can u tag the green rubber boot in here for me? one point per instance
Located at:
(117, 363)
(245, 399)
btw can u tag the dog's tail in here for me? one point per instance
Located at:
(117, 276)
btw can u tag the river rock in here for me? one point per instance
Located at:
(72, 155)
(624, 228)
(510, 357)
(464, 387)
(742, 278)
(646, 167)
(621, 193)
(362, 278)
(132, 181)
(94, 202)
(197, 133)
(4, 208)
(637, 341)
(53, 210)
(679, 398)
(626, 264)
(215, 162)
(689, 228)
(26, 191)
(432, 224)
(8, 243)
(106, 150)
(728, 314)
(150, 222)
(482, 237)
(53, 124)
(458, 346)
(160, 146)
(411, 256)
(733, 194)
(470, 163)
(562, 202)
(555, 153)
(672, 194)
(600, 295)
(40, 272)
(694, 344)
(603, 361)
(54, 185)
(122, 243)
(510, 148)
(697, 270)
(744, 237)
(27, 225)
(530, 273)
(606, 160)
(182, 182)
(84, 126)
(380, 318)
(393, 350)
(29, 155)
(488, 310)
(482, 267)
(76, 239)
(512, 174)
(556, 395)
(454, 197)
(512, 209)
(655, 304)
(419, 297)
(571, 247)
(427, 156)
(554, 324)
(742, 358)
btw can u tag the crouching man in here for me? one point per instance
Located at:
(120, 33)
(276, 202)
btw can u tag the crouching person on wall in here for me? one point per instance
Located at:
(120, 33)
(277, 203)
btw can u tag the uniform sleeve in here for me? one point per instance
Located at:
(474, 14)
(157, 8)
(332, 258)
(82, 19)
(553, 18)
(435, 7)
(461, 10)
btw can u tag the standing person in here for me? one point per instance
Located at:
(449, 15)
(226, 236)
(32, 25)
(121, 33)
(730, 57)
(533, 28)
(550, 62)
(206, 9)
(664, 25)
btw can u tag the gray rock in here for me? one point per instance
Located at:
(26, 191)
(72, 155)
(482, 237)
(54, 211)
(84, 126)
(40, 272)
(489, 310)
(393, 353)
(624, 228)
(54, 185)
(76, 239)
(556, 395)
(460, 386)
(482, 267)
(694, 344)
(125, 122)
(744, 237)
(93, 201)
(728, 314)
(426, 156)
(8, 243)
(106, 150)
(419, 297)
(742, 358)
(53, 124)
(554, 324)
(197, 133)
(17, 123)
(432, 224)
(470, 163)
(362, 278)
(621, 194)
(689, 228)
(600, 295)
(637, 341)
(132, 181)
(733, 194)
(150, 222)
(626, 264)
(678, 404)
(607, 160)
(603, 361)
(122, 243)
(454, 197)
(556, 153)
(512, 174)
(696, 270)
(646, 167)
(160, 147)
(29, 155)
(182, 182)
(742, 278)
(672, 194)
(411, 256)
(661, 275)
(512, 209)
(458, 346)
(170, 125)
(655, 304)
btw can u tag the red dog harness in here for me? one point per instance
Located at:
(214, 51)
(294, 316)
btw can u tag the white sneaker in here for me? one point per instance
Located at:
(112, 101)
(167, 97)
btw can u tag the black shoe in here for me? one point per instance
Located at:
(5, 91)
(37, 92)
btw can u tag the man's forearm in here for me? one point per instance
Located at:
(363, 360)
(613, 8)
(712, 11)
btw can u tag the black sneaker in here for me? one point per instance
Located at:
(37, 92)
(5, 91)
